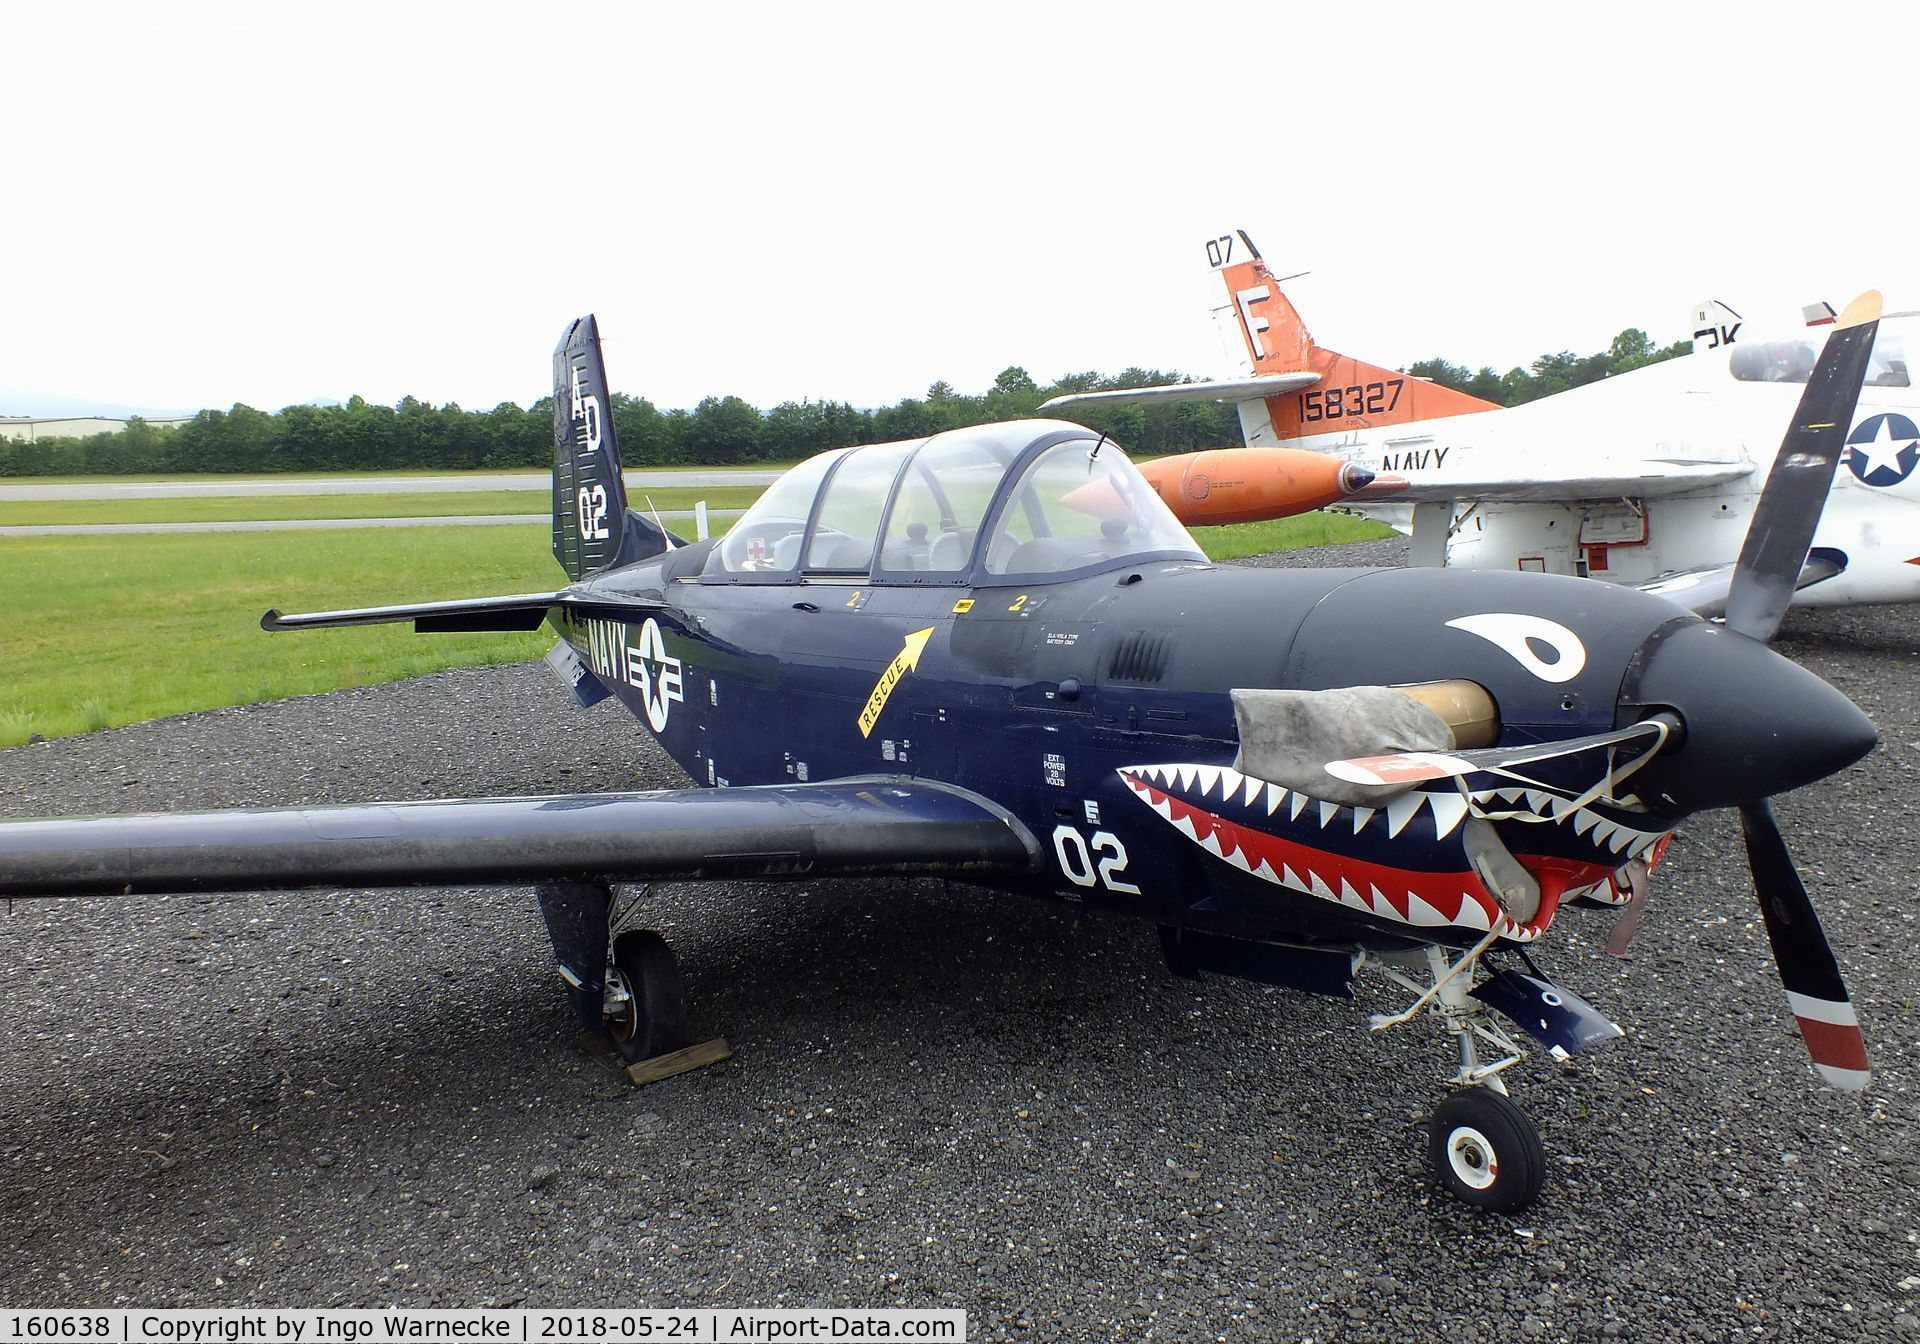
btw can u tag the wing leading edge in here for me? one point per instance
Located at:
(867, 825)
(516, 611)
(1550, 485)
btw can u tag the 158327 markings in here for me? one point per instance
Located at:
(1338, 403)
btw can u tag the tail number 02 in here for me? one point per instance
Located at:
(1076, 855)
(593, 512)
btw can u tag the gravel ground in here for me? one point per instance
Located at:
(940, 1096)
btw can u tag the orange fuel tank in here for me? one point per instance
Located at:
(1250, 485)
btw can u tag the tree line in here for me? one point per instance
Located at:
(1631, 349)
(720, 431)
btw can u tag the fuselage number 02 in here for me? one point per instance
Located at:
(1076, 855)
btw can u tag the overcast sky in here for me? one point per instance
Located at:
(273, 203)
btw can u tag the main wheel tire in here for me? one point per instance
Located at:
(1485, 1151)
(654, 1018)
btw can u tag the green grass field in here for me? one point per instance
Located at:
(235, 508)
(107, 630)
(536, 478)
(117, 629)
(1288, 534)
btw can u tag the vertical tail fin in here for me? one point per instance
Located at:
(1715, 325)
(1264, 335)
(1257, 324)
(589, 497)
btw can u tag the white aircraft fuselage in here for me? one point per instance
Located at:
(1517, 484)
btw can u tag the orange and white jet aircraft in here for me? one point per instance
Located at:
(1648, 477)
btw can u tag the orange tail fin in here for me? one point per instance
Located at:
(1264, 335)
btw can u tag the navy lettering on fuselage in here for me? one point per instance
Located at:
(1415, 459)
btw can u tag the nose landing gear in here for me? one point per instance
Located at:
(1484, 1150)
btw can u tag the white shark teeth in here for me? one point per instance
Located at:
(1361, 816)
(1254, 788)
(1208, 777)
(1537, 801)
(1449, 810)
(1328, 811)
(1183, 777)
(1420, 912)
(1473, 915)
(1298, 804)
(1275, 796)
(1615, 838)
(1584, 821)
(1403, 810)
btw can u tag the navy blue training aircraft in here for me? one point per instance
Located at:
(994, 653)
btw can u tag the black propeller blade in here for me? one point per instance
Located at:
(1763, 584)
(1815, 991)
(1783, 523)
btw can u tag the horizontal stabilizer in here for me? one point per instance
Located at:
(1227, 389)
(520, 611)
(869, 825)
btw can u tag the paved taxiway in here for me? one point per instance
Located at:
(369, 485)
(940, 1096)
(716, 516)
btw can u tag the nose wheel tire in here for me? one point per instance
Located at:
(1485, 1151)
(647, 1008)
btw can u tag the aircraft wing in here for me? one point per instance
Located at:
(517, 611)
(867, 825)
(1229, 389)
(1704, 591)
(1550, 486)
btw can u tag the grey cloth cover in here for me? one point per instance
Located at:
(1287, 737)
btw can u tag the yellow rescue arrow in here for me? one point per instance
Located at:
(903, 662)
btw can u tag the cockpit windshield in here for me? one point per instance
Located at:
(913, 511)
(766, 538)
(1077, 504)
(1792, 361)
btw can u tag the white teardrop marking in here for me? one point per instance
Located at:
(1514, 634)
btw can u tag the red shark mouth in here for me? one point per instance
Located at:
(1448, 896)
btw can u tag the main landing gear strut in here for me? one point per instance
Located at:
(623, 980)
(1485, 1151)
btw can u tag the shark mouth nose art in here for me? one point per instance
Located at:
(1358, 857)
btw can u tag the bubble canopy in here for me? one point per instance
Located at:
(1003, 503)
